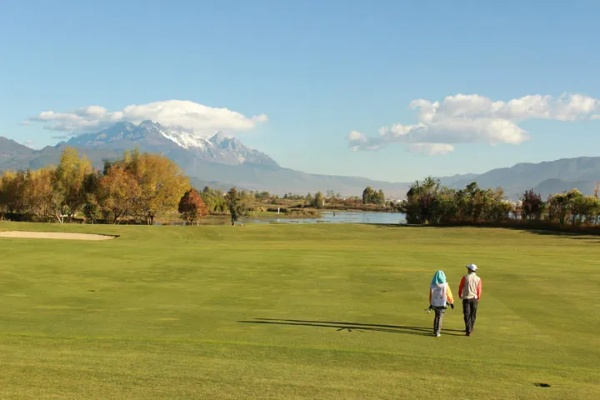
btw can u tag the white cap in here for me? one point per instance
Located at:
(472, 267)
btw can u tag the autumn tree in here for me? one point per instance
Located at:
(12, 189)
(532, 205)
(38, 192)
(191, 207)
(161, 184)
(117, 191)
(67, 184)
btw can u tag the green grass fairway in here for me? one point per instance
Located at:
(295, 312)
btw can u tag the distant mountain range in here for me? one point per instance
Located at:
(223, 162)
(546, 178)
(219, 161)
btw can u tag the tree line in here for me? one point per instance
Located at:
(141, 186)
(137, 187)
(428, 202)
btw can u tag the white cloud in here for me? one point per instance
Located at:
(360, 142)
(432, 149)
(475, 119)
(201, 119)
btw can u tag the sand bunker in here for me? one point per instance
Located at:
(55, 235)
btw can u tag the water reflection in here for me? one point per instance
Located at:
(337, 217)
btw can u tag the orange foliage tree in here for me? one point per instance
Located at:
(192, 207)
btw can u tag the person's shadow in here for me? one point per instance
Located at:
(354, 326)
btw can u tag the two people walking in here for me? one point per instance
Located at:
(440, 297)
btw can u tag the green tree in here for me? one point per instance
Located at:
(420, 201)
(372, 196)
(443, 206)
(379, 197)
(588, 208)
(367, 195)
(235, 205)
(318, 200)
(558, 207)
(579, 206)
(214, 200)
(474, 204)
(92, 210)
(498, 208)
(309, 199)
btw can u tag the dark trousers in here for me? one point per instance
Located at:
(470, 313)
(437, 320)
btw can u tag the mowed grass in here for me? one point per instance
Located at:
(295, 312)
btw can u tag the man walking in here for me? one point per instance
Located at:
(469, 291)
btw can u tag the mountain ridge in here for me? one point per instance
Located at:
(152, 136)
(546, 178)
(224, 160)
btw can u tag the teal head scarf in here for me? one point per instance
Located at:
(438, 278)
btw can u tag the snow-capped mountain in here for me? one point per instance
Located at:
(217, 161)
(224, 162)
(152, 136)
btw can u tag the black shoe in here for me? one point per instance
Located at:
(468, 333)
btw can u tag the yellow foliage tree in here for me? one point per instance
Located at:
(161, 183)
(38, 192)
(68, 184)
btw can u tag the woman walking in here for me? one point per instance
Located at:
(440, 296)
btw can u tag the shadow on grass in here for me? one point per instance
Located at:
(354, 326)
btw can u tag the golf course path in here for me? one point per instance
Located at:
(55, 235)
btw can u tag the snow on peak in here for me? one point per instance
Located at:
(185, 138)
(218, 137)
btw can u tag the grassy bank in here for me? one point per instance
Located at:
(294, 312)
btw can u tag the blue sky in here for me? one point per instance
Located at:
(390, 90)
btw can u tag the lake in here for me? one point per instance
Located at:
(336, 217)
